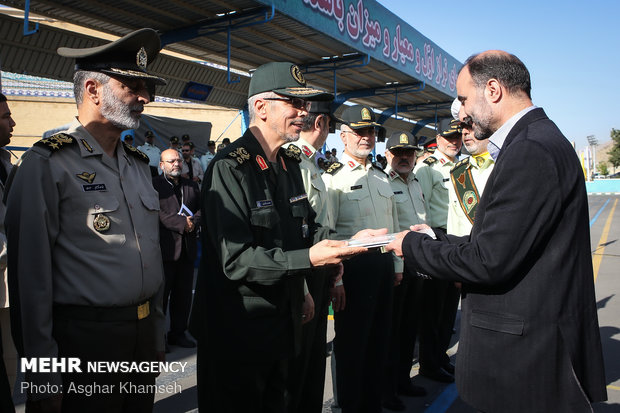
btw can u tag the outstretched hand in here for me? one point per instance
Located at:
(331, 252)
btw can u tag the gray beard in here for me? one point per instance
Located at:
(116, 112)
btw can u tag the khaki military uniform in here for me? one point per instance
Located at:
(153, 152)
(439, 298)
(408, 198)
(83, 230)
(307, 375)
(362, 198)
(480, 168)
(434, 177)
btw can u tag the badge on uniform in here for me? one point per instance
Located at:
(261, 162)
(351, 164)
(306, 150)
(87, 176)
(298, 198)
(354, 187)
(101, 223)
(263, 204)
(305, 230)
(469, 200)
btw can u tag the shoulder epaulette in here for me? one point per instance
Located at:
(56, 142)
(460, 164)
(135, 152)
(430, 160)
(333, 168)
(240, 154)
(293, 152)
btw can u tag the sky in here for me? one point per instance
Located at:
(571, 48)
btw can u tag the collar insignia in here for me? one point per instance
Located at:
(86, 176)
(351, 164)
(261, 162)
(306, 150)
(86, 145)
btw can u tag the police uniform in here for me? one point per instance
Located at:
(439, 298)
(258, 228)
(154, 153)
(205, 160)
(85, 270)
(361, 197)
(307, 373)
(406, 310)
(468, 177)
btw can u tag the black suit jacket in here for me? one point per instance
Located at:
(171, 224)
(530, 338)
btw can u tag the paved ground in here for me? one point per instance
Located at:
(605, 236)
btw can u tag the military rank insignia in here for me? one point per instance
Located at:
(136, 153)
(293, 152)
(261, 162)
(86, 145)
(56, 142)
(101, 223)
(430, 160)
(306, 150)
(333, 168)
(240, 154)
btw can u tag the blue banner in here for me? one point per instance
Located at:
(372, 29)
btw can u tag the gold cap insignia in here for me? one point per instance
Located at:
(297, 75)
(366, 114)
(404, 138)
(142, 58)
(86, 176)
(101, 223)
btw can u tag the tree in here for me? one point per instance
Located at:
(614, 153)
(602, 168)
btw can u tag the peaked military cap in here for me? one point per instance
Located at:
(402, 140)
(174, 139)
(449, 128)
(358, 117)
(286, 79)
(148, 134)
(125, 57)
(185, 137)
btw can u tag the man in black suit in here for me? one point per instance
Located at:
(530, 339)
(179, 219)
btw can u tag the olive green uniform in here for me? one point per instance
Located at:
(258, 228)
(83, 234)
(362, 198)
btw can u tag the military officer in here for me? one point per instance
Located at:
(152, 151)
(307, 378)
(83, 204)
(361, 197)
(468, 177)
(439, 298)
(259, 231)
(401, 152)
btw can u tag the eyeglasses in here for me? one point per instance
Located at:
(370, 132)
(297, 103)
(173, 161)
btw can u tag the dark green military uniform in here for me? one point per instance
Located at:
(258, 229)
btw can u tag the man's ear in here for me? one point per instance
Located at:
(317, 122)
(92, 90)
(493, 90)
(260, 108)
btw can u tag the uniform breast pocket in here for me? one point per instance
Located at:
(103, 223)
(386, 197)
(359, 198)
(264, 217)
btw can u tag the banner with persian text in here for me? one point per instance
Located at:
(372, 29)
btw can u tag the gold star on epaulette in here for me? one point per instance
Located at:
(240, 154)
(293, 152)
(137, 153)
(333, 168)
(56, 142)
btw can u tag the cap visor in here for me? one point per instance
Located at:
(307, 93)
(134, 74)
